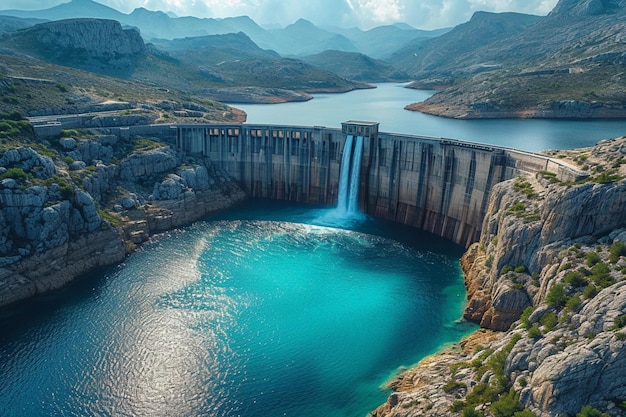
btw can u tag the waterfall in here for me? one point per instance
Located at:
(348, 194)
(344, 176)
(353, 197)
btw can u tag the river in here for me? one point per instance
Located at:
(385, 104)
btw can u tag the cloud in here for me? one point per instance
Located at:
(423, 14)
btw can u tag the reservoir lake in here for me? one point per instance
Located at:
(385, 104)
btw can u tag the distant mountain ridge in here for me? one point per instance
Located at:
(299, 39)
(200, 65)
(356, 66)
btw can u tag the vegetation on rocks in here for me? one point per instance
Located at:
(562, 310)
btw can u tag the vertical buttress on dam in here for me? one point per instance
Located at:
(435, 184)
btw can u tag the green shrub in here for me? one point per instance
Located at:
(534, 332)
(606, 178)
(549, 320)
(524, 413)
(12, 115)
(145, 144)
(601, 275)
(471, 412)
(575, 279)
(589, 411)
(600, 268)
(573, 303)
(65, 187)
(507, 405)
(556, 297)
(17, 174)
(525, 316)
(520, 269)
(453, 385)
(590, 291)
(617, 249)
(518, 208)
(592, 258)
(619, 322)
(505, 269)
(111, 218)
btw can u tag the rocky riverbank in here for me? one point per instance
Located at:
(549, 273)
(83, 207)
(565, 109)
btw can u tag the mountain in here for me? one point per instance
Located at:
(456, 50)
(304, 38)
(355, 66)
(299, 39)
(193, 65)
(569, 64)
(381, 41)
(234, 60)
(96, 45)
(12, 23)
(73, 9)
(586, 7)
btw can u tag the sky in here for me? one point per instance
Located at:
(422, 14)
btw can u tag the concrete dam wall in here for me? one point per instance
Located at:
(438, 185)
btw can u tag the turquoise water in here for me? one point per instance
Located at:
(385, 104)
(266, 311)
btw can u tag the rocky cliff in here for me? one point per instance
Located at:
(62, 217)
(549, 272)
(93, 44)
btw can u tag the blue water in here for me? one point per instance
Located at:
(385, 104)
(270, 310)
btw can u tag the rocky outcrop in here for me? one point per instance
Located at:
(256, 95)
(94, 41)
(527, 237)
(51, 231)
(467, 105)
(587, 371)
(549, 272)
(585, 7)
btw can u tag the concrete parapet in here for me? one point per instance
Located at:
(47, 130)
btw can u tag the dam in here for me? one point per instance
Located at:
(435, 184)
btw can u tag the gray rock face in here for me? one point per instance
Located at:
(576, 211)
(84, 217)
(146, 164)
(90, 151)
(68, 144)
(101, 181)
(171, 188)
(589, 371)
(585, 7)
(93, 39)
(564, 215)
(28, 159)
